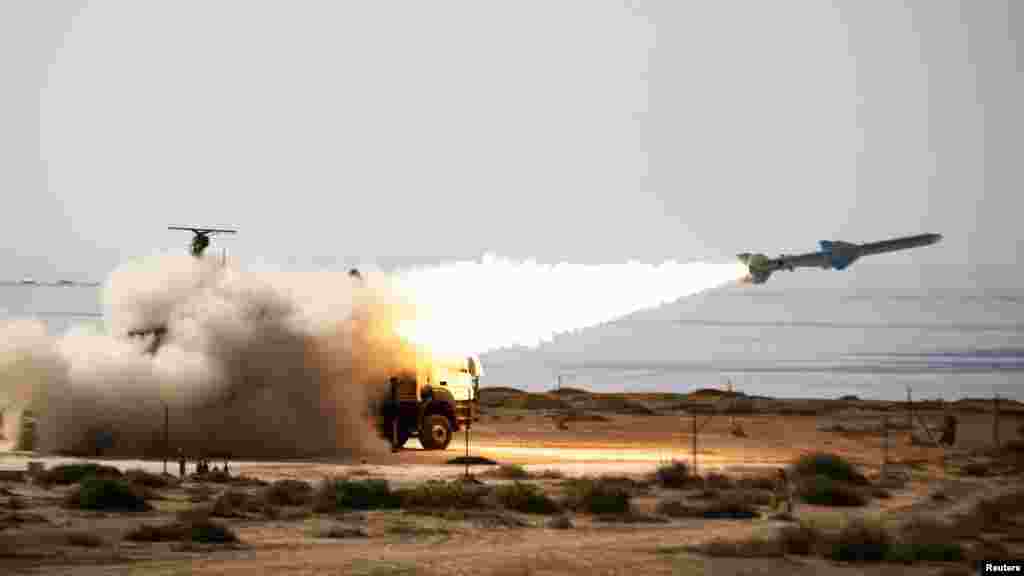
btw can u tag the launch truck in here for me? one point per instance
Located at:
(434, 402)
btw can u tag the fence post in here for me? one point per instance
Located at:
(167, 435)
(693, 441)
(468, 425)
(995, 423)
(910, 410)
(885, 446)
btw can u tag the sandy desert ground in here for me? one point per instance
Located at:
(40, 535)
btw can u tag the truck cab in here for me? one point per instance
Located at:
(433, 403)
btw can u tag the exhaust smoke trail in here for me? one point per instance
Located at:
(494, 303)
(284, 364)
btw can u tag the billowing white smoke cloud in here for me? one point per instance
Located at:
(284, 364)
(246, 364)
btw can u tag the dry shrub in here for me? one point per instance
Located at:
(14, 519)
(199, 493)
(406, 528)
(140, 477)
(561, 522)
(727, 506)
(487, 518)
(880, 492)
(861, 541)
(926, 540)
(106, 493)
(337, 531)
(83, 539)
(830, 466)
(289, 493)
(992, 514)
(236, 504)
(597, 496)
(761, 482)
(438, 494)
(752, 496)
(221, 477)
(511, 471)
(339, 494)
(632, 517)
(245, 481)
(526, 498)
(708, 494)
(675, 475)
(826, 491)
(718, 481)
(550, 474)
(203, 531)
(801, 539)
(675, 508)
(975, 469)
(985, 549)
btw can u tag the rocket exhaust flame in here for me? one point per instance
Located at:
(479, 306)
(284, 364)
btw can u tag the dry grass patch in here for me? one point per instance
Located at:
(402, 527)
(754, 547)
(338, 531)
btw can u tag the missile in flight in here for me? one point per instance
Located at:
(834, 255)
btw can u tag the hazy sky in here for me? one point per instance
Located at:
(338, 133)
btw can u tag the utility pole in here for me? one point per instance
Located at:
(167, 435)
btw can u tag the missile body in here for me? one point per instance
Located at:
(834, 255)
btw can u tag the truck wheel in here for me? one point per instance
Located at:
(436, 432)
